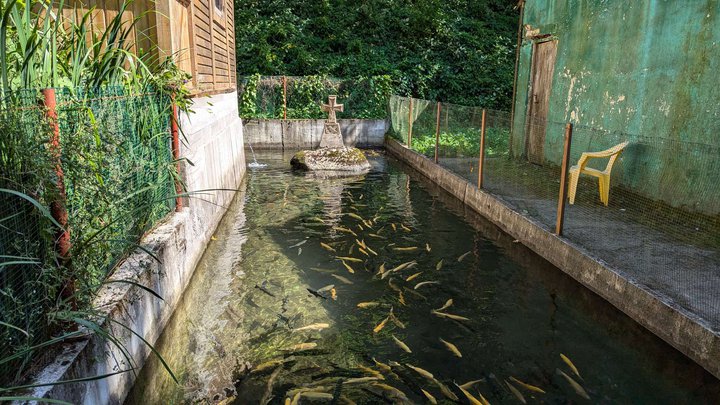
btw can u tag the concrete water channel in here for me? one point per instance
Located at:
(252, 291)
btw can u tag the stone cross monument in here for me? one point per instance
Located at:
(331, 136)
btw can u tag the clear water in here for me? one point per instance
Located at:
(523, 312)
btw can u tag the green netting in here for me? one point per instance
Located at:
(118, 176)
(302, 97)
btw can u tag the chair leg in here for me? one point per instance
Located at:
(572, 187)
(604, 190)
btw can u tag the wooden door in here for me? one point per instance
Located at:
(541, 75)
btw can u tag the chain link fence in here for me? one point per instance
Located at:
(301, 97)
(116, 164)
(661, 224)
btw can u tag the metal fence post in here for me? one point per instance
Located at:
(57, 205)
(284, 82)
(563, 180)
(481, 158)
(175, 132)
(437, 132)
(410, 123)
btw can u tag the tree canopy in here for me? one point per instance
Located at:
(459, 51)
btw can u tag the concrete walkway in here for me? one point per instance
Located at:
(674, 253)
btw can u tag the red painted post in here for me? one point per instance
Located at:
(410, 122)
(175, 132)
(563, 180)
(57, 205)
(481, 159)
(437, 132)
(284, 82)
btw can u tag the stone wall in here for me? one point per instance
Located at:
(215, 164)
(306, 134)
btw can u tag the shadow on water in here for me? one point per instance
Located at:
(251, 290)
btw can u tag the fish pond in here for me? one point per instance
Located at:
(381, 288)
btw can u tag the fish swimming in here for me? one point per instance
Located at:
(327, 247)
(304, 241)
(405, 228)
(363, 251)
(570, 364)
(414, 276)
(427, 247)
(326, 288)
(371, 371)
(405, 249)
(364, 305)
(301, 347)
(429, 397)
(577, 387)
(384, 367)
(266, 366)
(515, 392)
(350, 259)
(346, 230)
(395, 320)
(390, 393)
(439, 265)
(469, 396)
(347, 266)
(341, 278)
(451, 347)
(445, 390)
(447, 305)
(422, 372)
(381, 325)
(381, 270)
(314, 326)
(401, 344)
(449, 316)
(361, 380)
(527, 386)
(469, 384)
(354, 215)
(418, 285)
(463, 256)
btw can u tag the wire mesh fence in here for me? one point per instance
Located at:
(118, 175)
(301, 97)
(661, 223)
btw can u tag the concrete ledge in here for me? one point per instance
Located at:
(686, 332)
(306, 134)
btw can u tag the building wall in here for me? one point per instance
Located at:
(646, 69)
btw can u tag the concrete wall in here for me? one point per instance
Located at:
(647, 68)
(683, 330)
(214, 144)
(305, 134)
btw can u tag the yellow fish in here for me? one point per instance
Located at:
(439, 265)
(315, 326)
(350, 269)
(405, 249)
(364, 305)
(395, 320)
(266, 366)
(447, 305)
(354, 215)
(349, 259)
(367, 224)
(374, 235)
(360, 228)
(381, 325)
(363, 251)
(381, 270)
(341, 278)
(213, 237)
(427, 247)
(370, 250)
(450, 316)
(343, 229)
(401, 298)
(451, 347)
(429, 397)
(384, 367)
(301, 347)
(446, 391)
(405, 228)
(418, 285)
(327, 247)
(361, 380)
(469, 396)
(413, 277)
(393, 226)
(371, 371)
(401, 344)
(333, 294)
(422, 372)
(570, 364)
(527, 386)
(470, 384)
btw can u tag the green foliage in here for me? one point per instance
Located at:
(464, 143)
(363, 97)
(460, 51)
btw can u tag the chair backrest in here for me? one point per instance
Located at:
(614, 152)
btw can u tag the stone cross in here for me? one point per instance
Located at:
(331, 107)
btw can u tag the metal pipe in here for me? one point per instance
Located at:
(481, 158)
(563, 180)
(437, 132)
(175, 132)
(410, 124)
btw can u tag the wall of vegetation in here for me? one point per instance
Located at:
(460, 51)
